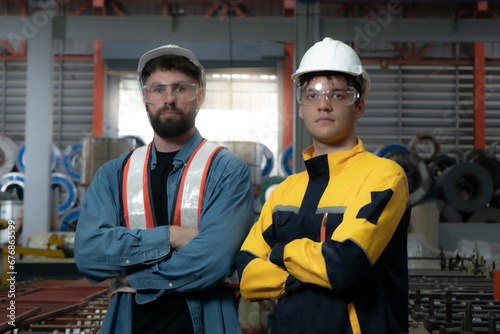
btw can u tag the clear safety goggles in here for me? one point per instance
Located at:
(180, 91)
(310, 95)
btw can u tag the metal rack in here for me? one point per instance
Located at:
(452, 301)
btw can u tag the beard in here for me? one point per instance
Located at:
(170, 128)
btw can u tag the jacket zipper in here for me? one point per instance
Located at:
(323, 227)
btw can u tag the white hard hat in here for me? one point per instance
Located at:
(332, 55)
(170, 49)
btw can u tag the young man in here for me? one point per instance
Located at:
(331, 242)
(165, 221)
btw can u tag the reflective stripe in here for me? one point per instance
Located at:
(137, 207)
(353, 317)
(190, 196)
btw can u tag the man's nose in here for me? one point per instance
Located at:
(324, 103)
(169, 97)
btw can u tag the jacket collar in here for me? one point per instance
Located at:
(336, 160)
(184, 153)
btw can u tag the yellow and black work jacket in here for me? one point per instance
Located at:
(337, 239)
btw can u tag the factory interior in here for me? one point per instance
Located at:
(434, 108)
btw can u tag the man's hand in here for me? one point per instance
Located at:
(181, 236)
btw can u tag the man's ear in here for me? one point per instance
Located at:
(360, 108)
(200, 97)
(301, 114)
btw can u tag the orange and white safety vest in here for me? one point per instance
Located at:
(137, 204)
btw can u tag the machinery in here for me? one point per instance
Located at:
(48, 255)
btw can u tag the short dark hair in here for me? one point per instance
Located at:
(171, 63)
(349, 80)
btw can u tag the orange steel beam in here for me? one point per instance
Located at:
(74, 57)
(164, 9)
(288, 101)
(425, 49)
(83, 8)
(117, 9)
(11, 57)
(22, 43)
(22, 47)
(97, 123)
(479, 96)
(422, 61)
(66, 57)
(24, 7)
(8, 47)
(210, 11)
(237, 10)
(223, 5)
(340, 11)
(398, 47)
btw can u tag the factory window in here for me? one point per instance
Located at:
(240, 105)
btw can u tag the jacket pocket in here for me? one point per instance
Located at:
(286, 226)
(276, 232)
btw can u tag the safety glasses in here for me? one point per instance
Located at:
(158, 93)
(310, 95)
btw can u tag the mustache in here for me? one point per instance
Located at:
(168, 108)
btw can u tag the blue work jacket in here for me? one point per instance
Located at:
(105, 248)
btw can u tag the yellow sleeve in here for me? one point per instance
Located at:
(259, 278)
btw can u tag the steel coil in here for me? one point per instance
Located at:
(69, 220)
(417, 172)
(425, 146)
(68, 191)
(383, 151)
(458, 154)
(268, 161)
(8, 155)
(467, 186)
(441, 163)
(55, 159)
(492, 165)
(73, 161)
(495, 199)
(287, 160)
(268, 186)
(474, 154)
(492, 149)
(13, 184)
